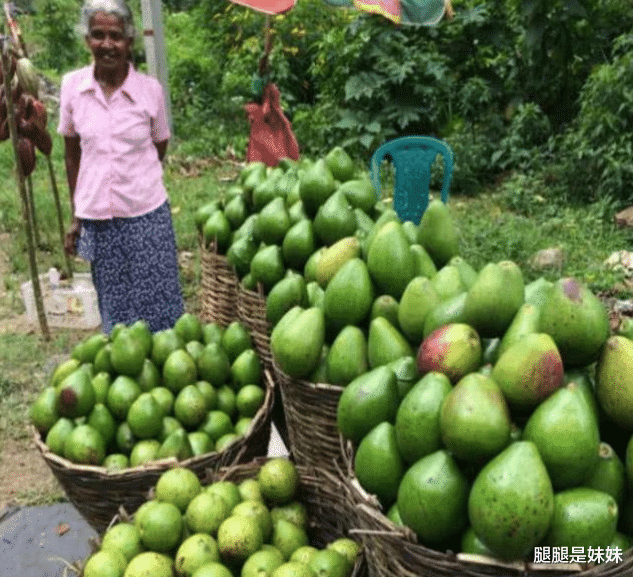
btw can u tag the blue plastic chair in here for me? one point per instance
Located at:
(412, 157)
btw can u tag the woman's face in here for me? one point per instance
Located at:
(108, 43)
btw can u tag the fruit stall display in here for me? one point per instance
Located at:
(321, 346)
(127, 406)
(470, 377)
(514, 438)
(265, 518)
(472, 424)
(272, 226)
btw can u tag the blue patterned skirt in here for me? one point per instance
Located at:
(134, 267)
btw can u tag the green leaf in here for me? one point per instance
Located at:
(361, 84)
(367, 140)
(348, 120)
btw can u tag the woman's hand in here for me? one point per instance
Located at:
(70, 240)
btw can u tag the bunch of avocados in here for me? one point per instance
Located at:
(273, 220)
(253, 528)
(134, 397)
(487, 415)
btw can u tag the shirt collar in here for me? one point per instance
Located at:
(131, 86)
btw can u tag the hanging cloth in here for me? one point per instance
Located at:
(271, 137)
(412, 12)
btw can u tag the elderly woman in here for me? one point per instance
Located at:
(115, 131)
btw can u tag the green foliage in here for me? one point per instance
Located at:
(529, 129)
(382, 82)
(591, 160)
(496, 81)
(195, 78)
(528, 196)
(310, 125)
(214, 51)
(562, 41)
(473, 145)
(599, 147)
(502, 83)
(52, 31)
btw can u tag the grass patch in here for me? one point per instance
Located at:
(491, 233)
(15, 413)
(189, 186)
(27, 362)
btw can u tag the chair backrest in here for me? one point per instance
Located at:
(412, 157)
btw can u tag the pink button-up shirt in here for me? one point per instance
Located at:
(120, 174)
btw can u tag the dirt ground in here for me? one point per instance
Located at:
(24, 473)
(22, 469)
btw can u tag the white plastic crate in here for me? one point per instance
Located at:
(67, 304)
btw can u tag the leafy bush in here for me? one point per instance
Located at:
(529, 129)
(392, 88)
(594, 155)
(473, 146)
(195, 78)
(562, 40)
(52, 30)
(500, 82)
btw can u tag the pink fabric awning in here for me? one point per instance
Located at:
(267, 6)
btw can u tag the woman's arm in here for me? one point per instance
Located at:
(72, 157)
(162, 149)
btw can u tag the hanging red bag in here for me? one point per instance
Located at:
(271, 137)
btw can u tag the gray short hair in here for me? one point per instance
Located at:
(117, 7)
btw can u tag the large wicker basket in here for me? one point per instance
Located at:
(310, 410)
(97, 494)
(393, 551)
(322, 494)
(219, 287)
(251, 312)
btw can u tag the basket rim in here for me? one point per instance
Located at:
(303, 382)
(211, 250)
(251, 293)
(162, 464)
(210, 247)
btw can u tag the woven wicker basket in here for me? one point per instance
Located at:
(310, 410)
(97, 494)
(393, 551)
(322, 494)
(251, 312)
(219, 287)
